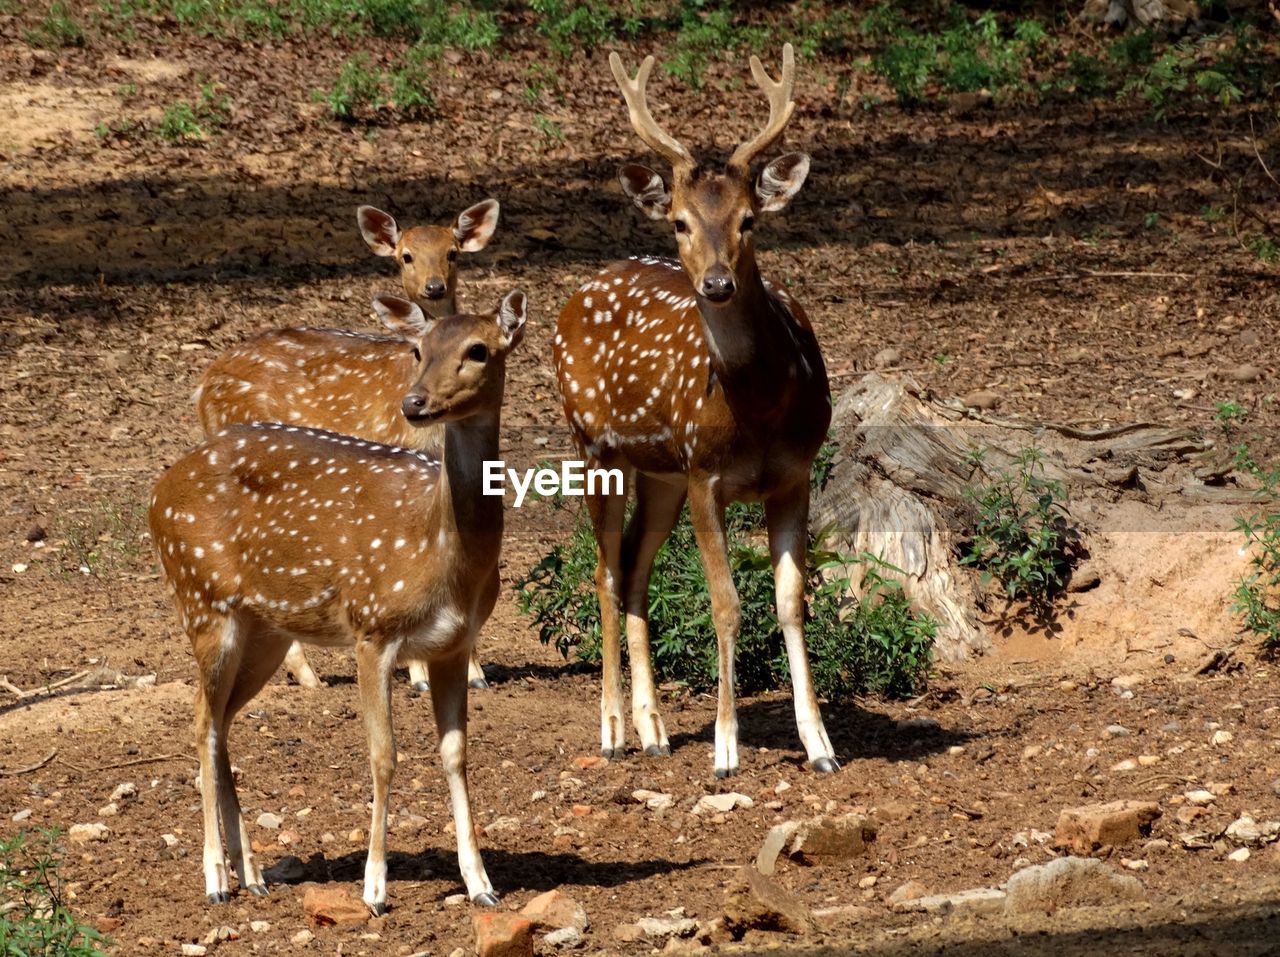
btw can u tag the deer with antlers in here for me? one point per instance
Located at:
(701, 381)
(272, 533)
(349, 382)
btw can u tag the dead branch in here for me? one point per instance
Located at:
(30, 767)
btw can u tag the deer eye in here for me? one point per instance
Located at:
(681, 226)
(453, 255)
(407, 258)
(748, 224)
(478, 352)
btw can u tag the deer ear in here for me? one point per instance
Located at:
(781, 180)
(646, 189)
(475, 225)
(511, 316)
(402, 316)
(379, 230)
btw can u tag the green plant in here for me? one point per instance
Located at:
(34, 919)
(702, 36)
(57, 29)
(574, 26)
(1265, 248)
(548, 128)
(183, 121)
(356, 88)
(876, 645)
(105, 538)
(1257, 592)
(359, 89)
(1021, 537)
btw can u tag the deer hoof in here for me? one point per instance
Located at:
(378, 909)
(422, 687)
(478, 683)
(658, 751)
(726, 772)
(826, 766)
(258, 890)
(485, 899)
(220, 897)
(611, 753)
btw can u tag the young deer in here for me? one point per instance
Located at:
(699, 380)
(273, 533)
(428, 255)
(349, 382)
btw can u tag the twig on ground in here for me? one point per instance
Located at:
(30, 767)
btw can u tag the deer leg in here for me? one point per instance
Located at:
(657, 508)
(217, 651)
(263, 650)
(787, 516)
(707, 511)
(449, 700)
(475, 675)
(606, 519)
(295, 662)
(418, 679)
(375, 664)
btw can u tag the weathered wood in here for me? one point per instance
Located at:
(898, 486)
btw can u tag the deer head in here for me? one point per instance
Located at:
(713, 214)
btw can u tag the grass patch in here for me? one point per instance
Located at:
(108, 538)
(57, 29)
(184, 122)
(361, 90)
(34, 919)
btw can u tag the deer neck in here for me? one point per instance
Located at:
(464, 512)
(750, 340)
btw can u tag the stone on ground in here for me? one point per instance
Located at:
(555, 910)
(1068, 882)
(1085, 829)
(754, 902)
(977, 900)
(326, 906)
(500, 934)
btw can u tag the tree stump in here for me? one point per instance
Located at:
(898, 483)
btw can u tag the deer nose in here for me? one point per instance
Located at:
(434, 289)
(413, 405)
(718, 287)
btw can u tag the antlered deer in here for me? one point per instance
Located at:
(273, 533)
(349, 382)
(699, 380)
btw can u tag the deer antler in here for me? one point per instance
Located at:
(781, 106)
(642, 120)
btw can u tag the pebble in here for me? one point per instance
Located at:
(1243, 373)
(1239, 855)
(653, 800)
(83, 833)
(109, 810)
(564, 937)
(194, 950)
(302, 938)
(1128, 764)
(1134, 865)
(125, 792)
(455, 900)
(1221, 737)
(259, 926)
(1200, 797)
(268, 820)
(722, 803)
(1117, 730)
(23, 814)
(868, 881)
(886, 357)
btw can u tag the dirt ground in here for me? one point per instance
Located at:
(1059, 258)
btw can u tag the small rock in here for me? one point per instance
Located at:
(653, 800)
(1243, 373)
(271, 821)
(663, 927)
(1127, 682)
(170, 840)
(1086, 829)
(84, 833)
(22, 815)
(1200, 797)
(754, 902)
(1133, 865)
(455, 900)
(628, 933)
(554, 910)
(36, 533)
(1221, 737)
(302, 938)
(328, 906)
(288, 837)
(1068, 882)
(868, 881)
(591, 761)
(722, 803)
(978, 900)
(906, 892)
(125, 792)
(1117, 730)
(1239, 855)
(500, 824)
(1245, 830)
(1128, 764)
(565, 937)
(259, 926)
(981, 399)
(500, 934)
(194, 950)
(832, 839)
(886, 357)
(1148, 760)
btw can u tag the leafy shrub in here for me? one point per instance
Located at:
(702, 36)
(359, 89)
(57, 29)
(877, 645)
(1021, 537)
(34, 920)
(183, 121)
(573, 26)
(1257, 593)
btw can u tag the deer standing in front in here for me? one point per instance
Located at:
(273, 533)
(701, 381)
(349, 382)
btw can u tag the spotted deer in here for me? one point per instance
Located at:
(701, 381)
(349, 382)
(272, 533)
